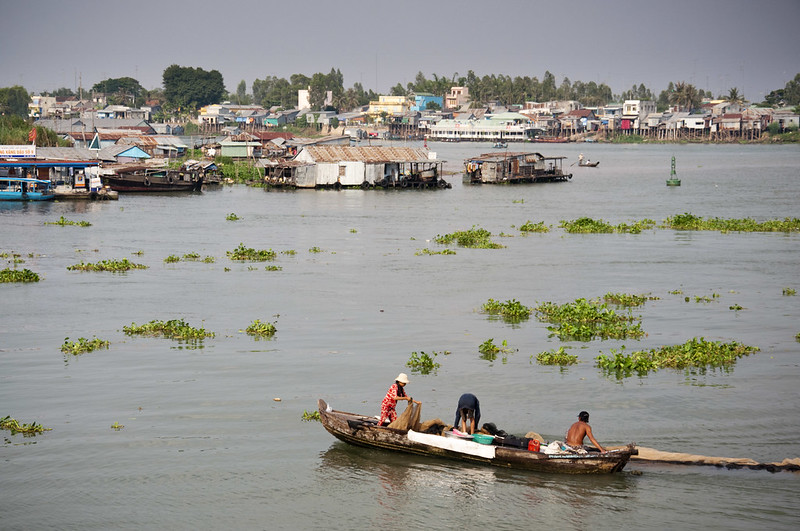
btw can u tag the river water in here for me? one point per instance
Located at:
(206, 445)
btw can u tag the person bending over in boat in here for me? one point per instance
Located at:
(468, 411)
(579, 430)
(396, 392)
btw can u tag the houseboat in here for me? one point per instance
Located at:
(512, 168)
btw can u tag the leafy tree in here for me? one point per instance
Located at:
(187, 87)
(14, 101)
(433, 106)
(241, 93)
(734, 96)
(62, 92)
(120, 91)
(398, 90)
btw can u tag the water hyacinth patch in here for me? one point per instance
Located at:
(556, 357)
(232, 217)
(586, 225)
(530, 226)
(18, 275)
(429, 252)
(27, 430)
(474, 238)
(584, 320)
(687, 221)
(511, 310)
(261, 330)
(83, 345)
(114, 266)
(64, 222)
(309, 416)
(172, 259)
(489, 350)
(248, 253)
(697, 353)
(626, 299)
(174, 329)
(422, 362)
(789, 292)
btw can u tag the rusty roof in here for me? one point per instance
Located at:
(367, 154)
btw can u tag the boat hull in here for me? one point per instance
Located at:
(29, 196)
(145, 180)
(357, 430)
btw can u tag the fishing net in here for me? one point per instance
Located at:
(408, 419)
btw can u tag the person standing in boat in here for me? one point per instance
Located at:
(396, 392)
(579, 430)
(468, 411)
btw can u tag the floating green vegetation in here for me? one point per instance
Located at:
(273, 268)
(697, 353)
(174, 329)
(530, 226)
(18, 275)
(511, 311)
(789, 292)
(27, 430)
(308, 416)
(191, 257)
(64, 222)
(427, 251)
(138, 253)
(83, 345)
(209, 260)
(735, 307)
(353, 231)
(232, 217)
(797, 337)
(261, 330)
(314, 249)
(117, 426)
(706, 298)
(585, 320)
(626, 299)
(689, 221)
(556, 357)
(248, 253)
(422, 362)
(114, 266)
(172, 258)
(474, 238)
(591, 226)
(518, 201)
(676, 292)
(489, 350)
(290, 252)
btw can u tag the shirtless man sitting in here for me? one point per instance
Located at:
(579, 430)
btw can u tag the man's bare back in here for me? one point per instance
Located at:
(578, 431)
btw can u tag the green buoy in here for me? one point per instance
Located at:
(673, 179)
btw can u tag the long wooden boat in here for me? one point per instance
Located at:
(361, 430)
(141, 178)
(25, 189)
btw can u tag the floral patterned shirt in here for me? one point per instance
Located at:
(389, 403)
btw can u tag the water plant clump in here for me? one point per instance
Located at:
(259, 329)
(530, 226)
(114, 266)
(626, 299)
(172, 259)
(422, 362)
(27, 430)
(83, 345)
(309, 416)
(429, 252)
(64, 222)
(586, 226)
(18, 275)
(489, 350)
(173, 329)
(697, 353)
(314, 249)
(556, 357)
(584, 320)
(248, 253)
(789, 292)
(474, 238)
(687, 221)
(232, 217)
(273, 268)
(511, 310)
(191, 257)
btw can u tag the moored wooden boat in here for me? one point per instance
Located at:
(141, 178)
(25, 189)
(361, 430)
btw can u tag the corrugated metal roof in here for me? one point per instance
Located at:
(366, 154)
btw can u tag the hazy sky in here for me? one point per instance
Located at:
(753, 45)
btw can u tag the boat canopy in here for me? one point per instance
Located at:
(48, 163)
(25, 180)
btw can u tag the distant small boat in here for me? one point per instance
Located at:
(25, 189)
(501, 145)
(589, 164)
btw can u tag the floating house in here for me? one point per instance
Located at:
(511, 168)
(331, 166)
(508, 127)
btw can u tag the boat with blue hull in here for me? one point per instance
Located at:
(25, 189)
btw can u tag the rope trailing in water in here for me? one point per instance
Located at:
(652, 455)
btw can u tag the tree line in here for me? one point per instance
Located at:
(186, 89)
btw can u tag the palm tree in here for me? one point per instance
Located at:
(734, 96)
